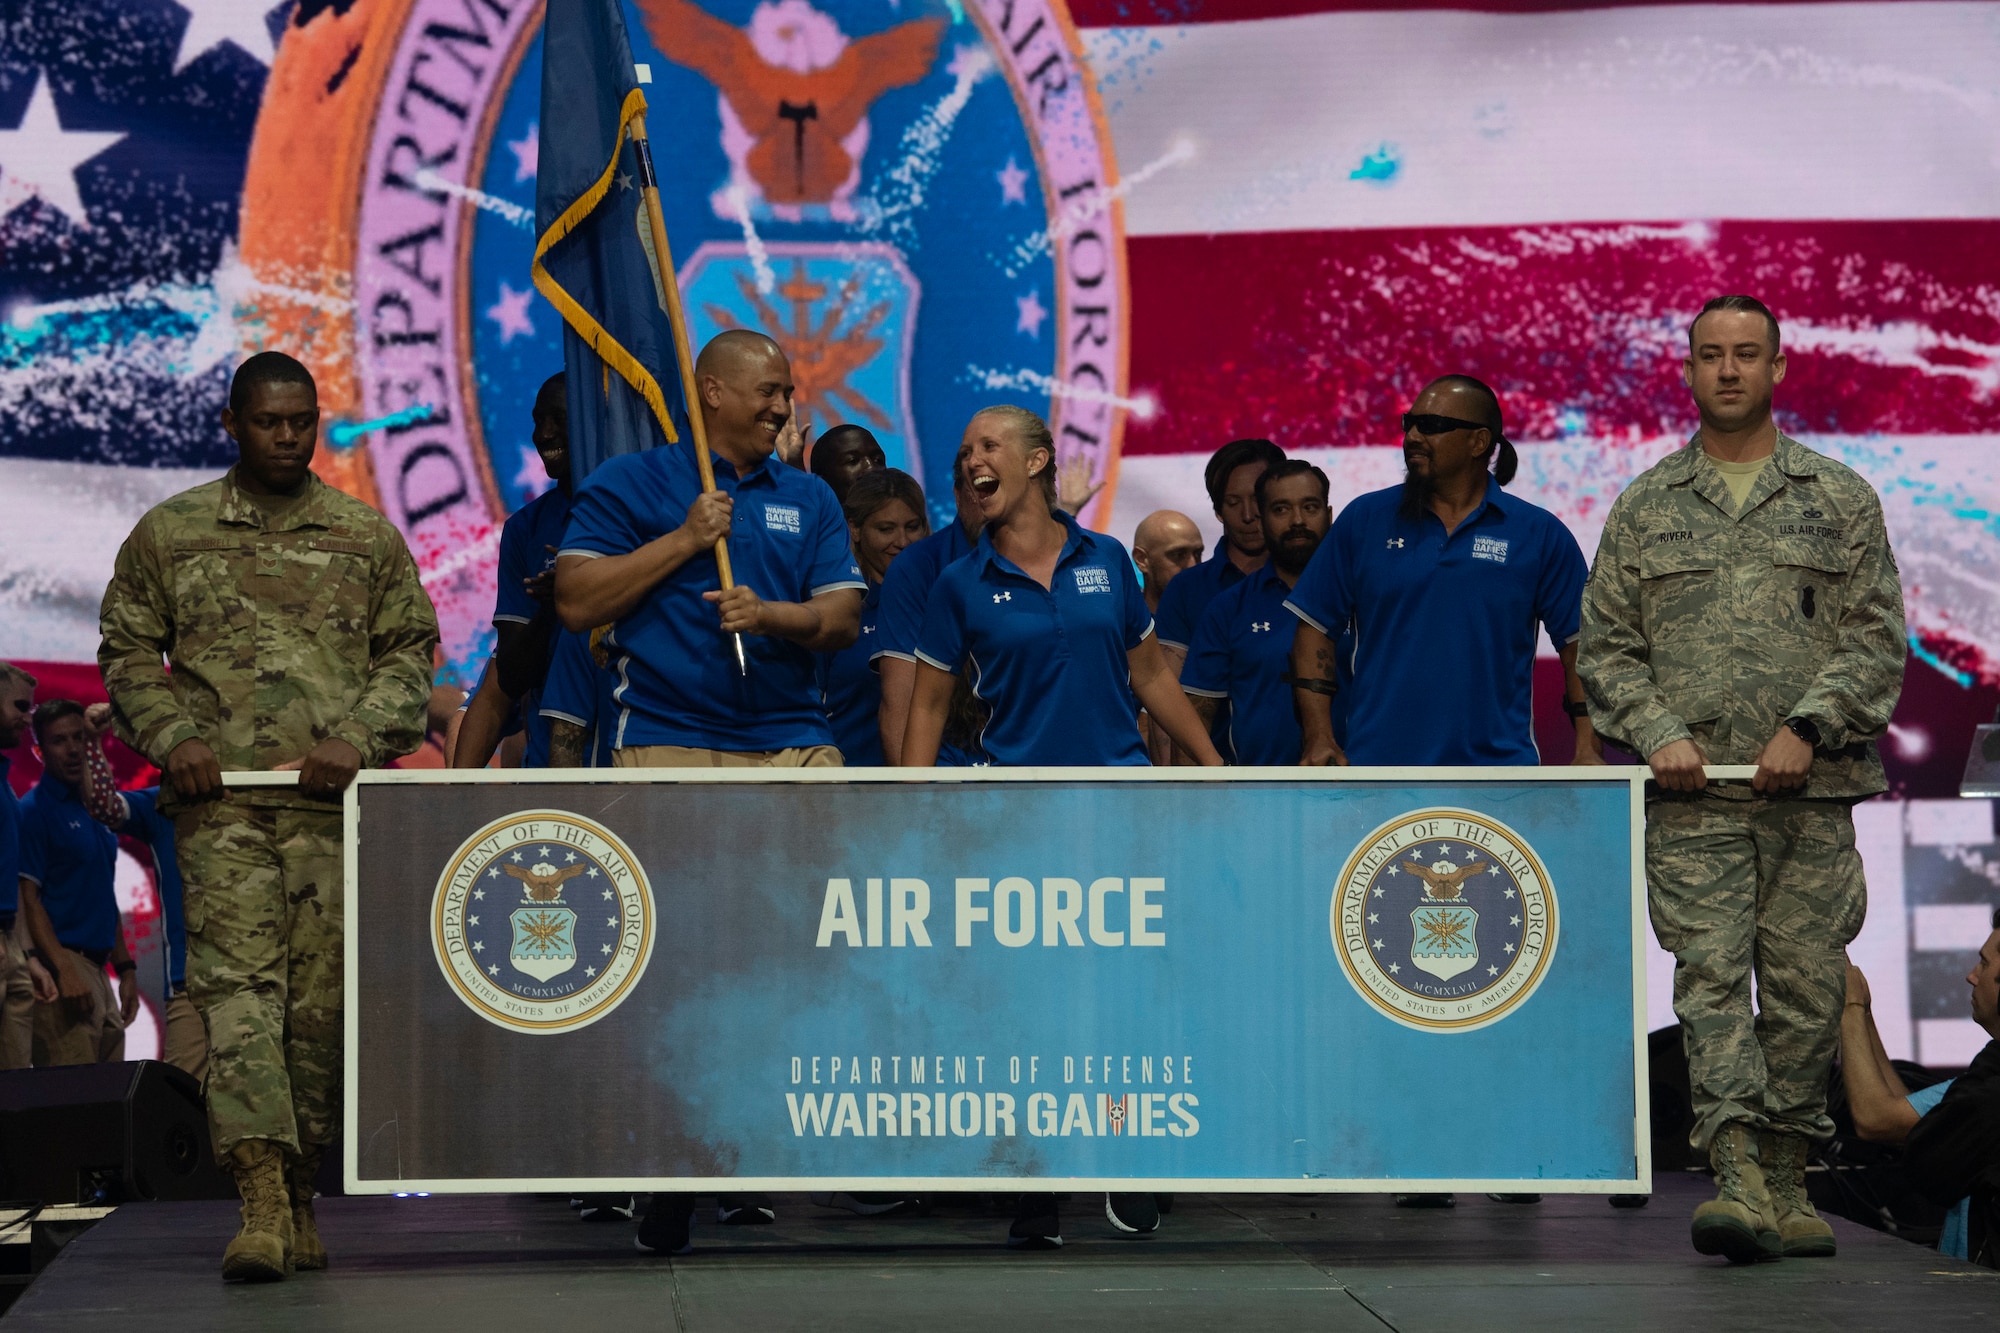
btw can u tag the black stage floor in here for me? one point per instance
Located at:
(495, 1264)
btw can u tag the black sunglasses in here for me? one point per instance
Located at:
(1427, 423)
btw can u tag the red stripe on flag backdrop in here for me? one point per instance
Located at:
(1322, 337)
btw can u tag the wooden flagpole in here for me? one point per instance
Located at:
(670, 285)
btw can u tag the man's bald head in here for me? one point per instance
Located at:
(745, 384)
(730, 350)
(1165, 543)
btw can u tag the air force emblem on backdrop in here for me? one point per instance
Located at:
(1444, 920)
(543, 922)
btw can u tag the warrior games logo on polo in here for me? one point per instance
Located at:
(1444, 920)
(543, 922)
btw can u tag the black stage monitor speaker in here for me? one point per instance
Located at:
(106, 1134)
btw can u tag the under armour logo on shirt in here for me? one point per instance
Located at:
(1260, 626)
(1395, 543)
(1003, 597)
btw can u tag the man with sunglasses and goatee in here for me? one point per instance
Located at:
(1443, 580)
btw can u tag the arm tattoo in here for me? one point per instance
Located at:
(565, 744)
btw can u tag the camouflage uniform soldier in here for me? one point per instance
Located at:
(300, 638)
(1745, 608)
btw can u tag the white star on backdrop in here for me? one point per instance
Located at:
(1508, 894)
(39, 158)
(1492, 971)
(494, 970)
(472, 921)
(213, 22)
(607, 895)
(479, 895)
(590, 971)
(510, 312)
(1032, 314)
(569, 857)
(611, 922)
(1012, 182)
(527, 151)
(533, 478)
(1513, 920)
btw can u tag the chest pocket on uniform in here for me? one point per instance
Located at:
(207, 594)
(339, 597)
(1814, 571)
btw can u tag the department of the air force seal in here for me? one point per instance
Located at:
(1444, 920)
(543, 922)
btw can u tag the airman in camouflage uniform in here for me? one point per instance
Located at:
(299, 637)
(1764, 630)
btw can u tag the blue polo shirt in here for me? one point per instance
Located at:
(1444, 626)
(852, 692)
(1186, 599)
(679, 681)
(1050, 662)
(10, 845)
(73, 862)
(144, 821)
(525, 540)
(1182, 606)
(906, 595)
(579, 691)
(1241, 652)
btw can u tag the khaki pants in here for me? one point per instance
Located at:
(17, 1001)
(682, 756)
(263, 892)
(93, 1037)
(184, 1044)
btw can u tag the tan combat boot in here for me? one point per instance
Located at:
(259, 1252)
(1801, 1231)
(308, 1254)
(1738, 1223)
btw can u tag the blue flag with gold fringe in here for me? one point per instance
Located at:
(594, 253)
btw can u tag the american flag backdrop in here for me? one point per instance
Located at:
(1323, 205)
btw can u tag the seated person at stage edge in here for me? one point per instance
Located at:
(1442, 580)
(640, 556)
(1242, 650)
(69, 870)
(1951, 1129)
(299, 637)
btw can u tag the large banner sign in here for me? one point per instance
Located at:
(1353, 980)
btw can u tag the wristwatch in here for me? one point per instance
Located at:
(1576, 708)
(1804, 729)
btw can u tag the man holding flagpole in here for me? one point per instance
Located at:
(638, 557)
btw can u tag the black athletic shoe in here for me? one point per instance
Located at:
(862, 1205)
(1427, 1201)
(744, 1210)
(605, 1207)
(1136, 1213)
(663, 1228)
(1036, 1224)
